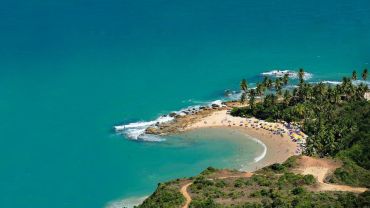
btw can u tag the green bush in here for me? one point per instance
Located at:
(239, 183)
(277, 167)
(298, 190)
(351, 174)
(207, 203)
(261, 180)
(164, 196)
(309, 179)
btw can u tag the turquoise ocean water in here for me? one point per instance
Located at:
(71, 70)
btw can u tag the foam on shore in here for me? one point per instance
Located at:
(136, 130)
(264, 152)
(281, 73)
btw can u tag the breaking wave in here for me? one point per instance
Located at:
(264, 152)
(281, 73)
(136, 130)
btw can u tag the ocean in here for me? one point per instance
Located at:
(72, 70)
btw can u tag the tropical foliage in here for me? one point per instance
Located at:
(335, 118)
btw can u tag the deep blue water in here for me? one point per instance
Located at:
(71, 70)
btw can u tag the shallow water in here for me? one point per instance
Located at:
(196, 150)
(71, 70)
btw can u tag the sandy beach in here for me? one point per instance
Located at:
(279, 146)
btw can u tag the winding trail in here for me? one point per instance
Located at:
(319, 168)
(185, 193)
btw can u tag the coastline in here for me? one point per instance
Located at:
(279, 146)
(276, 148)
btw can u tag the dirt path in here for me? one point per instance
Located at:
(320, 169)
(185, 193)
(184, 188)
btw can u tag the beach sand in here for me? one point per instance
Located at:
(279, 147)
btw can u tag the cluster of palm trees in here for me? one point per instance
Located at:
(261, 88)
(316, 106)
(305, 91)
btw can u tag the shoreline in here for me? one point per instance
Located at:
(276, 149)
(279, 139)
(279, 146)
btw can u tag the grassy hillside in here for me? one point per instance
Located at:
(274, 186)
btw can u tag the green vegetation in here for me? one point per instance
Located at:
(270, 188)
(336, 119)
(337, 122)
(167, 195)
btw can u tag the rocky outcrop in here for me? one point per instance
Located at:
(152, 130)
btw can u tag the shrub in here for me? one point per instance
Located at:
(277, 167)
(209, 203)
(164, 196)
(220, 183)
(239, 183)
(309, 179)
(209, 170)
(261, 180)
(298, 190)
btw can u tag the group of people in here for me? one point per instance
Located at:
(281, 128)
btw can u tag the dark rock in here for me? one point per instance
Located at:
(215, 106)
(152, 130)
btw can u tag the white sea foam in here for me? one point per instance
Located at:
(234, 95)
(281, 73)
(264, 152)
(332, 82)
(354, 82)
(136, 130)
(128, 202)
(358, 82)
(217, 102)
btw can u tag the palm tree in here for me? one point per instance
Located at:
(244, 85)
(300, 110)
(286, 78)
(260, 89)
(242, 98)
(301, 75)
(336, 94)
(269, 83)
(265, 79)
(252, 98)
(347, 87)
(270, 100)
(329, 94)
(354, 75)
(320, 90)
(277, 85)
(364, 74)
(287, 97)
(295, 92)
